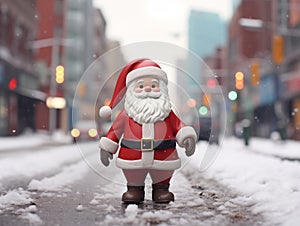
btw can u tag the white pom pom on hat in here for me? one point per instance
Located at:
(133, 70)
(105, 112)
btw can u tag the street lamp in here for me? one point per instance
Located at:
(258, 24)
(55, 43)
(251, 23)
(56, 102)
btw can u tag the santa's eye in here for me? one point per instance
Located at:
(141, 86)
(153, 86)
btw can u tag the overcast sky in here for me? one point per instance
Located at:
(155, 20)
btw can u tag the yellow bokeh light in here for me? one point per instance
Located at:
(75, 133)
(239, 75)
(191, 103)
(60, 68)
(93, 133)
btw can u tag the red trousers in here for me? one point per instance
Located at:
(137, 177)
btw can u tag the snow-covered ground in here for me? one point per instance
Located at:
(30, 140)
(37, 163)
(267, 184)
(270, 182)
(62, 163)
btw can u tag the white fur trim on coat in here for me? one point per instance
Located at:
(184, 133)
(157, 164)
(146, 71)
(108, 145)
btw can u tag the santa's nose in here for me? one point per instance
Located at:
(147, 88)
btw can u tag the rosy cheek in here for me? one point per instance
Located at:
(156, 89)
(138, 90)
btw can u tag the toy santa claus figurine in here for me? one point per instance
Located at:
(147, 130)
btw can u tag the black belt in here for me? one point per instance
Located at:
(146, 144)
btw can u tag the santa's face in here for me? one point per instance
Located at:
(147, 100)
(147, 87)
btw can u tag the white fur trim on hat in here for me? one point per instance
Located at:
(184, 133)
(146, 71)
(105, 112)
(108, 145)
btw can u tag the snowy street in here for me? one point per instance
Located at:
(45, 184)
(167, 113)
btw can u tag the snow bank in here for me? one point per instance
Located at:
(24, 141)
(287, 149)
(29, 165)
(273, 184)
(30, 140)
(60, 181)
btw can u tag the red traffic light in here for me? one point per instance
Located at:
(13, 84)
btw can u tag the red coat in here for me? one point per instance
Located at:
(133, 159)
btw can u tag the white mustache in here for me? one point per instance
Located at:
(144, 94)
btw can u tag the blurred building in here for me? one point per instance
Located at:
(217, 62)
(206, 34)
(80, 30)
(182, 96)
(71, 34)
(50, 45)
(36, 37)
(110, 66)
(263, 39)
(247, 45)
(94, 76)
(235, 4)
(93, 71)
(18, 82)
(290, 77)
(100, 40)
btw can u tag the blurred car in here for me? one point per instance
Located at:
(84, 130)
(205, 127)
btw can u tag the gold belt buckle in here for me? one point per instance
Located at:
(147, 144)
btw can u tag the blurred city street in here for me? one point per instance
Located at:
(228, 70)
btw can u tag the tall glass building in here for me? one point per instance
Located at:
(207, 32)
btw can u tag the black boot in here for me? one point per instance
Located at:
(134, 194)
(161, 193)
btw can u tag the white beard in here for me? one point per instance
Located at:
(148, 107)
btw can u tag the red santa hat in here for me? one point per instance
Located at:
(134, 70)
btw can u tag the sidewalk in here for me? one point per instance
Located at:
(31, 140)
